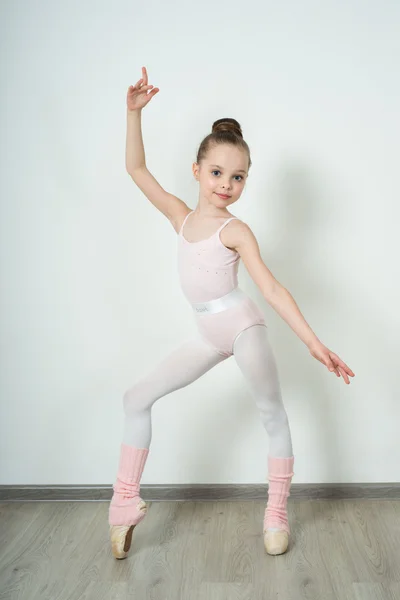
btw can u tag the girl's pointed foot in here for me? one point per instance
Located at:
(276, 542)
(121, 535)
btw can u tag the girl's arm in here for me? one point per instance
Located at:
(134, 155)
(239, 236)
(171, 206)
(274, 292)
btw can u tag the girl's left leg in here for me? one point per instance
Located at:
(255, 358)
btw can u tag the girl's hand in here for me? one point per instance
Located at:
(331, 360)
(137, 96)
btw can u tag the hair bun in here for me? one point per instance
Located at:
(227, 124)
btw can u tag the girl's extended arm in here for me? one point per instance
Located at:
(134, 156)
(238, 235)
(171, 206)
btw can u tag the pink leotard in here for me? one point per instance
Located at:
(209, 270)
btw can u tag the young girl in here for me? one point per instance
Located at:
(211, 242)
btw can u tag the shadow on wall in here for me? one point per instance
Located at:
(305, 199)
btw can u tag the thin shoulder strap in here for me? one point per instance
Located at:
(226, 223)
(184, 220)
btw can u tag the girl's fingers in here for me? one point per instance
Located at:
(144, 88)
(144, 73)
(331, 365)
(137, 83)
(335, 364)
(346, 368)
(344, 375)
(342, 364)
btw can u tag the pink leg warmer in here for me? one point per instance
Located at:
(280, 471)
(124, 508)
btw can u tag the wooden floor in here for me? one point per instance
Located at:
(339, 550)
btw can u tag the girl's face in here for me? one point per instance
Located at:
(223, 172)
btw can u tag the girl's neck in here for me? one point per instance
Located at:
(208, 211)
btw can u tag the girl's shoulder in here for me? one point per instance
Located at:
(236, 233)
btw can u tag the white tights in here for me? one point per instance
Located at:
(254, 356)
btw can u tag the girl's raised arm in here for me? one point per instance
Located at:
(171, 206)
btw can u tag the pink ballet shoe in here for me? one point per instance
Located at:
(121, 535)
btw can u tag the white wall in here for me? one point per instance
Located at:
(90, 298)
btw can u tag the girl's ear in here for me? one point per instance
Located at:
(195, 169)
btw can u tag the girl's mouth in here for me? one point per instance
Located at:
(223, 196)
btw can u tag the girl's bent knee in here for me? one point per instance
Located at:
(136, 399)
(130, 400)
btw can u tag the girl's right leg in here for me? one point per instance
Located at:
(182, 367)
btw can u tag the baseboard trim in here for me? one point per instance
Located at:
(199, 492)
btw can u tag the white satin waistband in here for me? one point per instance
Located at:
(220, 304)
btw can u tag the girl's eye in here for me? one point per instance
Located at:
(217, 171)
